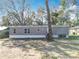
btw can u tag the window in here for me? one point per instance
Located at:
(25, 30)
(38, 30)
(14, 31)
(28, 30)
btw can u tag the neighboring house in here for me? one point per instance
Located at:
(74, 30)
(37, 31)
(3, 27)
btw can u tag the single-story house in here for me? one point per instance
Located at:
(37, 31)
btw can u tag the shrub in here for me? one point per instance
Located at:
(4, 33)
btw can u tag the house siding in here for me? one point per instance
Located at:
(32, 30)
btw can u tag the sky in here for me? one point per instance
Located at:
(37, 3)
(52, 3)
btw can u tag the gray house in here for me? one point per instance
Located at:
(37, 31)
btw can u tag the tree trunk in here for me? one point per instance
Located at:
(49, 22)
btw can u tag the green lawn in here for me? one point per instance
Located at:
(73, 37)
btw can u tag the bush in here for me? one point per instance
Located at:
(4, 33)
(62, 36)
(73, 37)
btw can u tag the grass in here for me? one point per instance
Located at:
(73, 37)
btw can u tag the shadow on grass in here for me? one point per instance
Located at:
(40, 45)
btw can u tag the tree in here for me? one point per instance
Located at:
(63, 4)
(49, 21)
(20, 14)
(74, 2)
(5, 21)
(63, 14)
(54, 17)
(58, 15)
(40, 16)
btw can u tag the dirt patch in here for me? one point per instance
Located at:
(37, 49)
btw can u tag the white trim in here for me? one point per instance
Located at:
(55, 36)
(27, 36)
(33, 36)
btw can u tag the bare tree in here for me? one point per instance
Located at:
(49, 21)
(16, 11)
